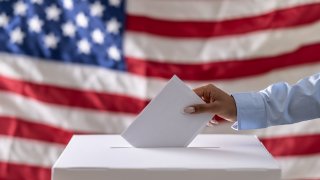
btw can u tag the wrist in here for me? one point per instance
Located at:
(232, 114)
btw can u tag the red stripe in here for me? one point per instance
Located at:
(17, 127)
(293, 145)
(12, 171)
(72, 97)
(290, 17)
(224, 69)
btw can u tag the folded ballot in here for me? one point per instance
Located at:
(163, 123)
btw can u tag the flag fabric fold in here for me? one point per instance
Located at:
(90, 66)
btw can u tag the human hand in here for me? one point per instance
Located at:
(217, 101)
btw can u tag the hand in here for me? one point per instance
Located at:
(217, 101)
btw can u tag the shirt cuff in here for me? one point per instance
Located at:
(251, 112)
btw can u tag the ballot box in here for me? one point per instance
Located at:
(208, 157)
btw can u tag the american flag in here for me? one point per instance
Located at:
(90, 66)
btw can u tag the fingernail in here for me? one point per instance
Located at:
(214, 122)
(209, 124)
(189, 110)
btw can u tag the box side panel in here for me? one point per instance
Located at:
(104, 174)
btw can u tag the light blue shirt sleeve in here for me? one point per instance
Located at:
(279, 104)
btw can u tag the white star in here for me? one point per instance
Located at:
(20, 8)
(82, 20)
(68, 29)
(35, 24)
(96, 9)
(51, 41)
(84, 46)
(16, 36)
(115, 3)
(53, 13)
(97, 36)
(37, 1)
(68, 4)
(113, 26)
(114, 53)
(4, 19)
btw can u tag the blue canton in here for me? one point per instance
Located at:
(71, 31)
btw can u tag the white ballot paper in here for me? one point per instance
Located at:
(163, 123)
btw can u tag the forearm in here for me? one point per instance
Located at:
(279, 104)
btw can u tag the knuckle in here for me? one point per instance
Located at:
(211, 86)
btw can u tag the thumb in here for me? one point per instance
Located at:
(199, 108)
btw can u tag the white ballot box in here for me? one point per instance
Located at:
(208, 157)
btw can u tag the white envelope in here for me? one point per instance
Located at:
(163, 123)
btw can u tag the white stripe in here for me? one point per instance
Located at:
(302, 128)
(259, 82)
(300, 167)
(28, 152)
(195, 51)
(72, 75)
(206, 10)
(103, 80)
(78, 119)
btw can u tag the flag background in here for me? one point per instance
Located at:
(74, 69)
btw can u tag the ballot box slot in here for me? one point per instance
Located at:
(248, 169)
(199, 147)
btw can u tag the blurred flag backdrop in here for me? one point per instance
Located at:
(90, 66)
